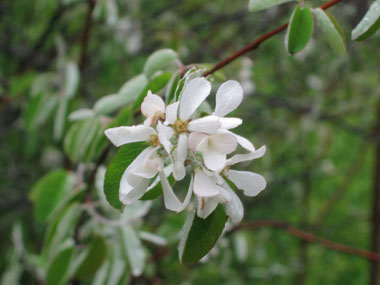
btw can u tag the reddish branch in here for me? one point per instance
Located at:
(255, 44)
(375, 215)
(309, 238)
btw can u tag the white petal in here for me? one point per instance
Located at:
(243, 142)
(246, 157)
(165, 133)
(229, 123)
(132, 187)
(129, 194)
(123, 135)
(195, 139)
(205, 186)
(194, 93)
(171, 201)
(149, 166)
(171, 113)
(180, 155)
(234, 208)
(152, 105)
(206, 206)
(228, 98)
(251, 183)
(213, 159)
(223, 143)
(208, 124)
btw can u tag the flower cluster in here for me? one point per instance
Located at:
(181, 143)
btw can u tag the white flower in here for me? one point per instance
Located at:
(214, 148)
(251, 183)
(153, 107)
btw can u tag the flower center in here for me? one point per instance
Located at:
(181, 126)
(154, 141)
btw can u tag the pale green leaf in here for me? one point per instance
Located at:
(93, 259)
(257, 5)
(369, 24)
(160, 60)
(133, 249)
(331, 30)
(57, 271)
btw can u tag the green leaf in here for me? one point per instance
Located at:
(123, 158)
(300, 29)
(71, 79)
(38, 110)
(61, 227)
(92, 259)
(57, 272)
(155, 84)
(48, 192)
(159, 60)
(257, 5)
(369, 24)
(172, 86)
(81, 114)
(108, 104)
(331, 30)
(133, 249)
(133, 87)
(60, 118)
(199, 236)
(82, 140)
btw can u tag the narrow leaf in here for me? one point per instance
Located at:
(133, 249)
(48, 192)
(331, 30)
(257, 5)
(200, 235)
(300, 30)
(57, 272)
(94, 258)
(123, 158)
(369, 24)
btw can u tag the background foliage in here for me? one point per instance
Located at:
(315, 112)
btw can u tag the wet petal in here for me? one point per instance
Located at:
(180, 155)
(228, 98)
(205, 186)
(153, 105)
(208, 124)
(246, 157)
(194, 93)
(251, 183)
(223, 143)
(123, 135)
(195, 139)
(234, 207)
(165, 133)
(230, 123)
(171, 113)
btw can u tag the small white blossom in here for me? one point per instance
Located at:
(179, 142)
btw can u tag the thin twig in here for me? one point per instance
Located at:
(256, 43)
(308, 237)
(86, 34)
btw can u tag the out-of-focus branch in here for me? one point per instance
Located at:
(375, 211)
(307, 237)
(86, 34)
(256, 43)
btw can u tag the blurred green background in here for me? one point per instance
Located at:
(315, 112)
